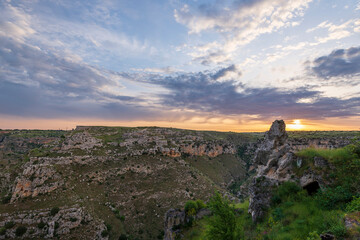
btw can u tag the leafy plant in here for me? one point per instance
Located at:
(192, 207)
(41, 225)
(54, 211)
(334, 198)
(6, 199)
(9, 225)
(354, 205)
(105, 233)
(21, 230)
(313, 236)
(222, 226)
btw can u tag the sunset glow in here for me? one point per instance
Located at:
(295, 125)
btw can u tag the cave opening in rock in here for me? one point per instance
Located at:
(312, 187)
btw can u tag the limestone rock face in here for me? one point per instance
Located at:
(274, 160)
(273, 157)
(82, 140)
(59, 224)
(260, 196)
(276, 163)
(36, 179)
(209, 149)
(274, 139)
(173, 217)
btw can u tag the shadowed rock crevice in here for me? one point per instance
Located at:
(312, 187)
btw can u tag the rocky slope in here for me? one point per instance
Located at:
(115, 181)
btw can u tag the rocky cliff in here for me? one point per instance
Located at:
(277, 162)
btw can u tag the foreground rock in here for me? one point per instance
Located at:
(176, 218)
(277, 163)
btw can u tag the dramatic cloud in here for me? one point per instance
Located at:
(56, 86)
(339, 63)
(201, 92)
(240, 22)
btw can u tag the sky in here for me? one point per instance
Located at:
(226, 65)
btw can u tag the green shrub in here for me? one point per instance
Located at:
(108, 226)
(222, 226)
(333, 223)
(21, 230)
(6, 199)
(191, 208)
(200, 204)
(9, 225)
(104, 233)
(123, 237)
(286, 191)
(313, 236)
(334, 198)
(54, 211)
(2, 231)
(354, 205)
(41, 225)
(278, 214)
(339, 230)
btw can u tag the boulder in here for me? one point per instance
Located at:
(173, 219)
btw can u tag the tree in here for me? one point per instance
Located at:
(222, 226)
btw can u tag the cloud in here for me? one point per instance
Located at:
(200, 92)
(224, 71)
(54, 86)
(339, 63)
(14, 22)
(336, 32)
(80, 27)
(164, 70)
(240, 22)
(36, 83)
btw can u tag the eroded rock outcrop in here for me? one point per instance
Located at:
(208, 149)
(36, 179)
(173, 219)
(276, 163)
(82, 140)
(45, 224)
(176, 218)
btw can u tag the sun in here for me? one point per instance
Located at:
(296, 125)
